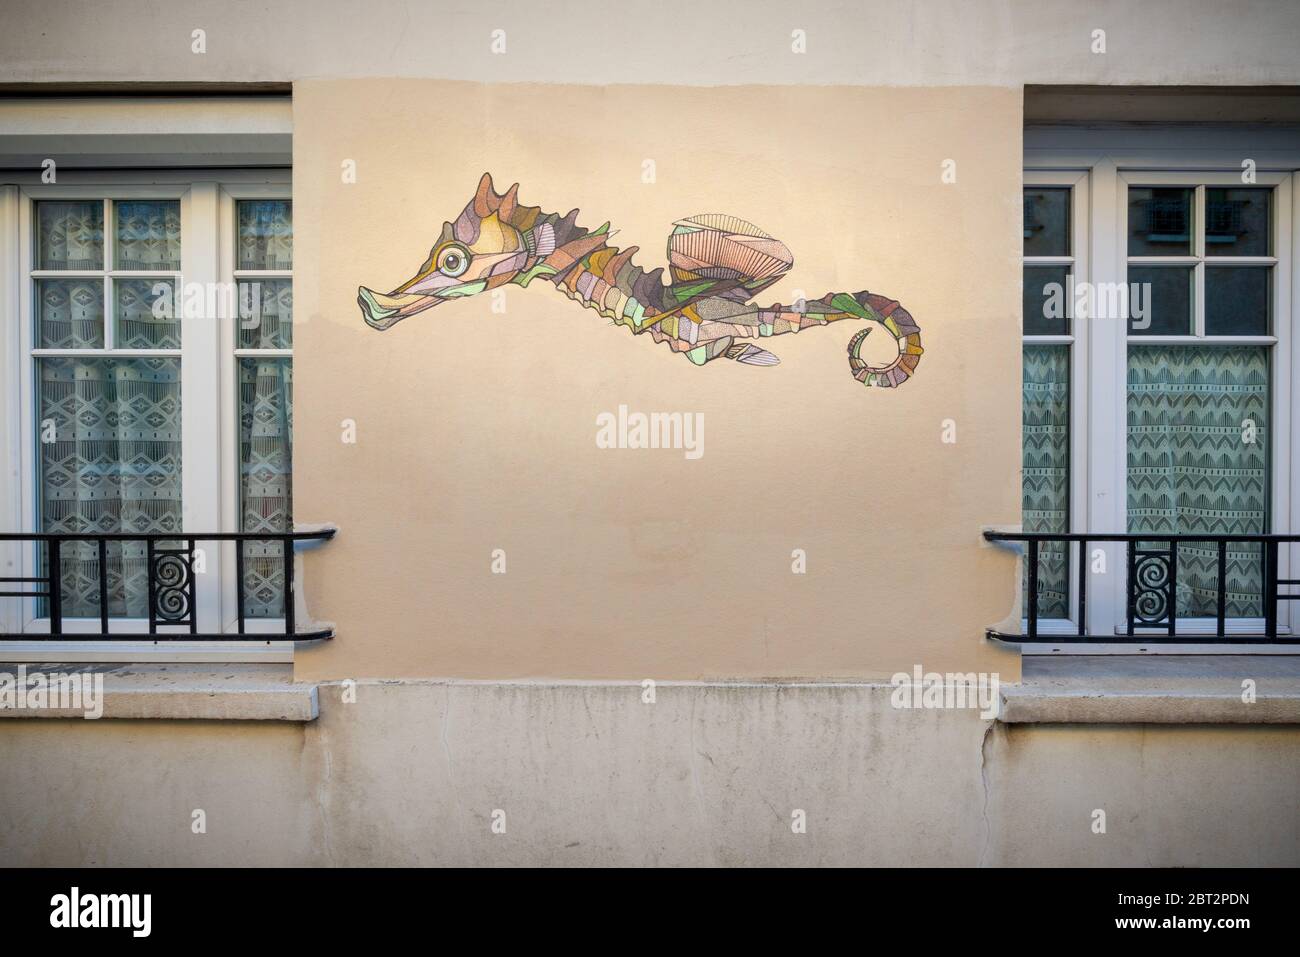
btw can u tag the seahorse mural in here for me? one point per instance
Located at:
(717, 264)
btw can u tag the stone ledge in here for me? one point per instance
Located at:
(1021, 706)
(1153, 689)
(178, 692)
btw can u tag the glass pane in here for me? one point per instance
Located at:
(1236, 222)
(1045, 299)
(1198, 463)
(265, 234)
(145, 311)
(1047, 222)
(265, 478)
(114, 465)
(1160, 300)
(70, 313)
(148, 235)
(1045, 479)
(1237, 300)
(1159, 222)
(266, 314)
(70, 235)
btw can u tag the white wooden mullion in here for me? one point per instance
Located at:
(1202, 340)
(28, 400)
(1198, 270)
(1079, 384)
(1241, 260)
(229, 400)
(11, 356)
(105, 353)
(1285, 433)
(110, 254)
(1107, 386)
(201, 475)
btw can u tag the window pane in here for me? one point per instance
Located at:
(114, 466)
(1159, 222)
(266, 314)
(265, 478)
(70, 313)
(145, 314)
(1047, 222)
(148, 235)
(1237, 222)
(265, 234)
(1237, 300)
(1195, 467)
(1045, 300)
(1045, 481)
(70, 235)
(1160, 300)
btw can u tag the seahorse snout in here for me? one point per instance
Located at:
(383, 311)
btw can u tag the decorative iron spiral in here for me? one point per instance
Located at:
(171, 575)
(1151, 598)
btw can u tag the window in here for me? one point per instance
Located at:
(155, 384)
(1054, 259)
(1157, 388)
(1199, 377)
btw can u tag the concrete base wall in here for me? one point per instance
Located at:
(412, 772)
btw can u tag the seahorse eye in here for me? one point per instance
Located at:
(453, 261)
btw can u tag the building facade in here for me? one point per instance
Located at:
(594, 563)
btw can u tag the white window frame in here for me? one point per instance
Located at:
(1076, 338)
(209, 407)
(1108, 162)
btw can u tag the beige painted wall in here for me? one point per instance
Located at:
(476, 431)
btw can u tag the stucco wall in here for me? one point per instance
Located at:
(875, 43)
(411, 773)
(476, 431)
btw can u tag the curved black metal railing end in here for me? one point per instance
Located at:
(170, 560)
(1151, 588)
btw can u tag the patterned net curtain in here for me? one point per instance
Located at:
(148, 235)
(114, 465)
(71, 235)
(1045, 485)
(265, 243)
(1192, 469)
(70, 313)
(145, 314)
(265, 234)
(265, 478)
(109, 428)
(266, 314)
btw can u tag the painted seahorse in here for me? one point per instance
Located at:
(717, 265)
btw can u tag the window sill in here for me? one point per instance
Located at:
(1165, 689)
(231, 692)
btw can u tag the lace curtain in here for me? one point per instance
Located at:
(148, 235)
(265, 477)
(265, 234)
(110, 432)
(1045, 482)
(1198, 463)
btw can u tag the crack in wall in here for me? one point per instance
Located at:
(984, 783)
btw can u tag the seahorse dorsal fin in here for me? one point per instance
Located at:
(718, 246)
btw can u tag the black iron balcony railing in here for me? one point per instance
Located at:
(171, 590)
(1151, 588)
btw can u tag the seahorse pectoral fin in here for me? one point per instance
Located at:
(751, 355)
